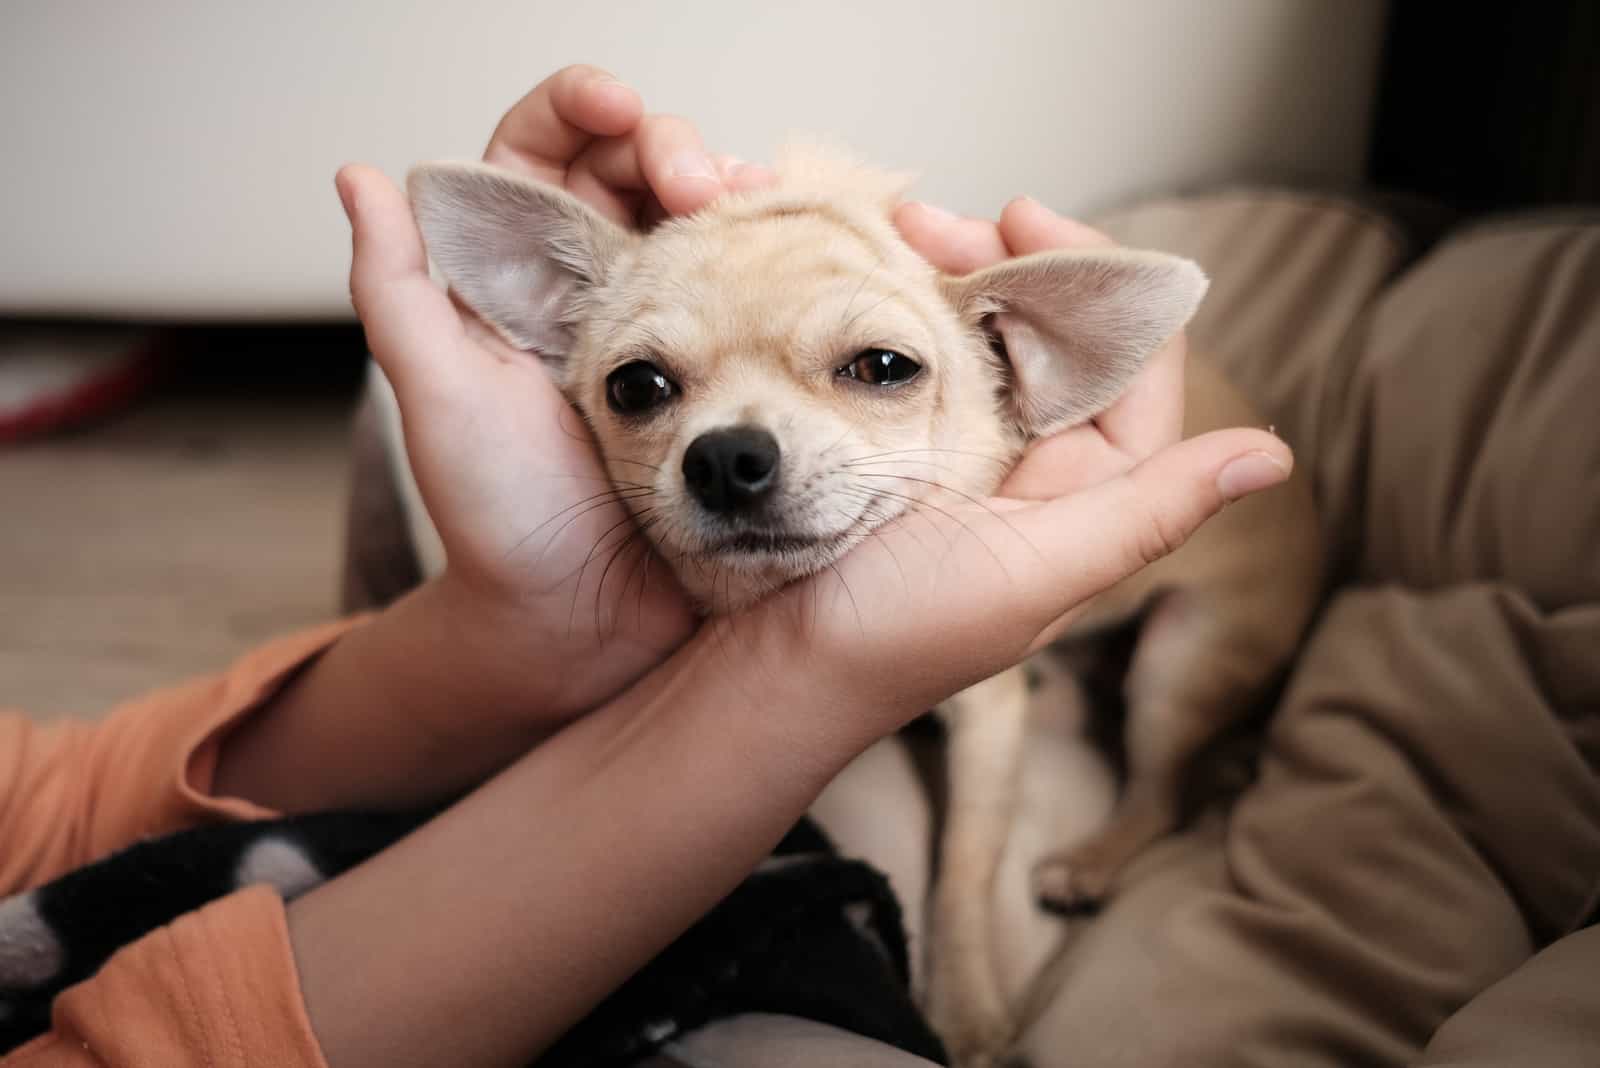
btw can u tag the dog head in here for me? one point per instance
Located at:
(779, 374)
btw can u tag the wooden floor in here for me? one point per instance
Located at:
(166, 541)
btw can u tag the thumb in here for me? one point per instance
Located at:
(412, 329)
(1095, 538)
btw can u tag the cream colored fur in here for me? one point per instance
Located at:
(750, 308)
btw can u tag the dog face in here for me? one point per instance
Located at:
(775, 377)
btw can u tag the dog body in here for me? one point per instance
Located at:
(774, 378)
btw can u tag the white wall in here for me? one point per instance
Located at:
(174, 157)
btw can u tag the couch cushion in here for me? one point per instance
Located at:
(1422, 823)
(1546, 1013)
(1466, 446)
(1428, 810)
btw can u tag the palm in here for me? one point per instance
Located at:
(510, 477)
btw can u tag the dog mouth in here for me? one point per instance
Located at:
(768, 543)
(807, 551)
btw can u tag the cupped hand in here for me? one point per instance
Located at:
(943, 598)
(584, 131)
(539, 546)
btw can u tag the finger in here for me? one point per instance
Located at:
(676, 166)
(607, 175)
(545, 130)
(1092, 539)
(412, 329)
(1027, 226)
(1068, 461)
(1149, 414)
(954, 244)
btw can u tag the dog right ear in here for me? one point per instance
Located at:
(1074, 327)
(521, 254)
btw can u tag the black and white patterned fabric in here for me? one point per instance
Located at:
(808, 934)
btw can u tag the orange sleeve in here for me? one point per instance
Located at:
(218, 988)
(71, 791)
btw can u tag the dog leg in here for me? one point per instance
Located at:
(878, 809)
(1193, 673)
(966, 1004)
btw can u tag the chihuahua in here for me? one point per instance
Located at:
(779, 374)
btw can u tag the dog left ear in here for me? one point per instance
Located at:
(1075, 327)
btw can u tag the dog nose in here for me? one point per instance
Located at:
(731, 470)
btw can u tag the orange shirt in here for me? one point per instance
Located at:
(218, 987)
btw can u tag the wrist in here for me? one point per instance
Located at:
(496, 649)
(424, 700)
(776, 693)
(554, 648)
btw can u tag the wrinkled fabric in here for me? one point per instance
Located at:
(1426, 817)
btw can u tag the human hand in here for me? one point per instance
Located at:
(582, 130)
(945, 597)
(537, 541)
(1149, 414)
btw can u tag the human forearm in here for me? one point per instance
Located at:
(527, 902)
(425, 701)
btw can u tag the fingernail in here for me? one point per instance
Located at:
(692, 165)
(1247, 474)
(941, 214)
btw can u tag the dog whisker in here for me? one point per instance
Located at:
(878, 518)
(867, 310)
(635, 463)
(969, 498)
(603, 498)
(561, 529)
(572, 615)
(956, 452)
(860, 624)
(859, 287)
(636, 536)
(918, 504)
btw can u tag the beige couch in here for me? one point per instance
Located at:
(1407, 874)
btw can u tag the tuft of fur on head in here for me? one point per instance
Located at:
(810, 166)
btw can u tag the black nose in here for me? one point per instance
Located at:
(731, 470)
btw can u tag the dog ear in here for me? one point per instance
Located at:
(521, 254)
(1074, 327)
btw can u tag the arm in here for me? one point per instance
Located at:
(551, 884)
(72, 791)
(538, 893)
(453, 682)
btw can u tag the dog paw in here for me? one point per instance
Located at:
(976, 1030)
(1072, 882)
(978, 1044)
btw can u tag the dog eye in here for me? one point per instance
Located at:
(881, 367)
(637, 387)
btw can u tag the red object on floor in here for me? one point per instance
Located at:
(56, 377)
